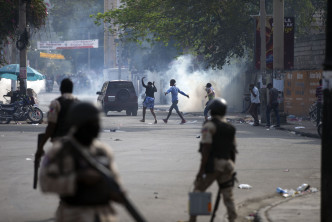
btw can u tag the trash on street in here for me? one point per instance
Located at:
(244, 186)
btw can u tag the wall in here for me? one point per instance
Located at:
(309, 52)
(299, 91)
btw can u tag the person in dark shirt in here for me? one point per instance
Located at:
(272, 105)
(148, 102)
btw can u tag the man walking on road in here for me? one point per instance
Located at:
(57, 124)
(272, 105)
(254, 97)
(148, 102)
(210, 95)
(218, 150)
(174, 91)
(69, 169)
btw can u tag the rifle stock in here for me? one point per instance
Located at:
(37, 162)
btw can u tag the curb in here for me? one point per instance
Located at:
(311, 135)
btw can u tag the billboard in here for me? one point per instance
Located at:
(74, 44)
(288, 43)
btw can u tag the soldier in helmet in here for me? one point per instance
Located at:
(218, 150)
(84, 193)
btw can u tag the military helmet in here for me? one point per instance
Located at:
(218, 106)
(82, 112)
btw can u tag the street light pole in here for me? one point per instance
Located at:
(262, 76)
(23, 50)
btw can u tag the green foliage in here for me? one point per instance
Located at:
(9, 19)
(214, 29)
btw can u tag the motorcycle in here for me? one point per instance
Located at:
(21, 110)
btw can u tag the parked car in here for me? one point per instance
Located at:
(118, 95)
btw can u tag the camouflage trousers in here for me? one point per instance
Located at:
(224, 170)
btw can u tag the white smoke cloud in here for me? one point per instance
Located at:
(227, 83)
(5, 86)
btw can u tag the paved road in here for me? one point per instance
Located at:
(160, 159)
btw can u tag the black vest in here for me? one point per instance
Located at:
(223, 144)
(62, 126)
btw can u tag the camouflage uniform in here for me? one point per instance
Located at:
(59, 175)
(223, 171)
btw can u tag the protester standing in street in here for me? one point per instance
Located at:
(272, 105)
(85, 194)
(255, 101)
(210, 95)
(218, 151)
(319, 95)
(148, 102)
(57, 124)
(174, 91)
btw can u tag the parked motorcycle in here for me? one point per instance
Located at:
(21, 110)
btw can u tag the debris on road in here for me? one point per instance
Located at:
(198, 136)
(117, 140)
(299, 127)
(155, 195)
(304, 188)
(244, 186)
(286, 170)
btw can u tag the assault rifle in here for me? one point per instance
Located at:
(37, 162)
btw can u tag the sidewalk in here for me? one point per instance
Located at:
(296, 209)
(294, 125)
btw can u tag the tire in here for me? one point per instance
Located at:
(128, 112)
(35, 115)
(4, 120)
(320, 130)
(134, 112)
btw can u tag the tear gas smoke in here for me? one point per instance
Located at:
(227, 83)
(5, 87)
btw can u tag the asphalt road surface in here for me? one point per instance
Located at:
(157, 164)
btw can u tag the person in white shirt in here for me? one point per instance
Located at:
(255, 102)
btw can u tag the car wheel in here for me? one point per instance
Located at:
(134, 112)
(128, 112)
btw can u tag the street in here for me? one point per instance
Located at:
(158, 163)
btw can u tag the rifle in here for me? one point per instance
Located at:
(110, 179)
(37, 162)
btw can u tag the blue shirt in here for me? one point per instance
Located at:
(174, 91)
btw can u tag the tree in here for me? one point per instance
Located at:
(71, 20)
(36, 16)
(216, 29)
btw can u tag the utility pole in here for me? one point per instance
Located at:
(109, 40)
(262, 76)
(23, 49)
(13, 61)
(278, 41)
(278, 35)
(326, 176)
(89, 53)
